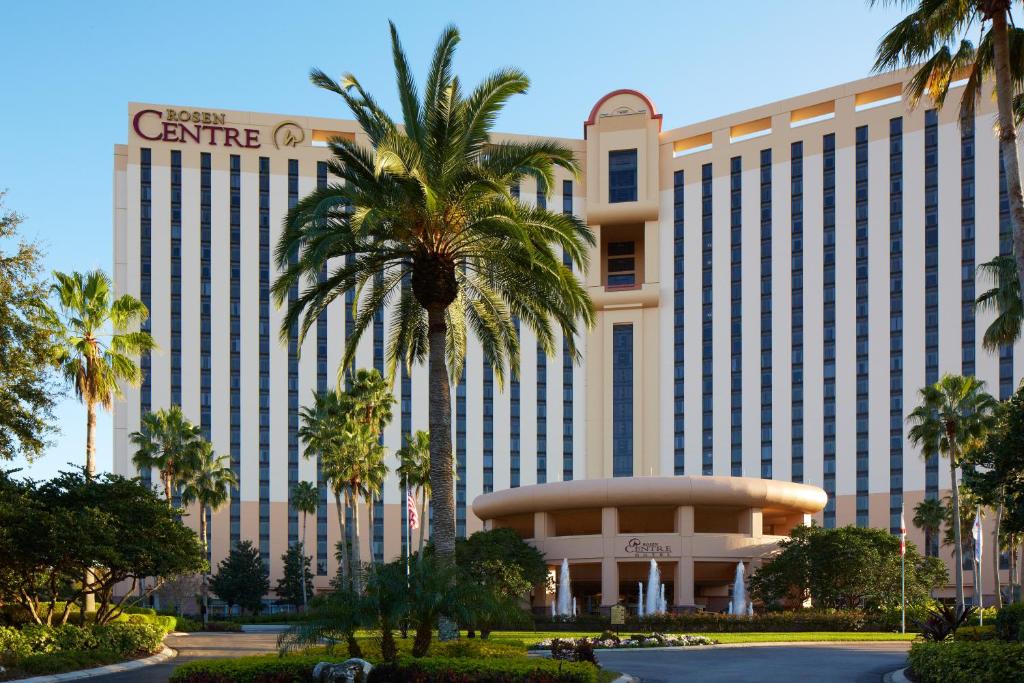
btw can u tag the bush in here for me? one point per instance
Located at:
(803, 620)
(57, 662)
(573, 650)
(519, 670)
(1010, 623)
(976, 633)
(479, 649)
(129, 638)
(989, 661)
(166, 622)
(224, 626)
(257, 669)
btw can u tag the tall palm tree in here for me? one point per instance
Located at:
(929, 515)
(428, 202)
(414, 470)
(933, 39)
(321, 428)
(1004, 299)
(169, 442)
(97, 346)
(305, 498)
(208, 483)
(362, 456)
(953, 413)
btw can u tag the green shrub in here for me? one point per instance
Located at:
(224, 626)
(257, 669)
(129, 638)
(166, 622)
(188, 625)
(57, 662)
(801, 620)
(13, 644)
(990, 661)
(480, 649)
(140, 610)
(497, 670)
(1010, 623)
(976, 633)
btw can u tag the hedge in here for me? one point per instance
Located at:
(804, 620)
(254, 669)
(120, 640)
(1010, 622)
(989, 661)
(976, 633)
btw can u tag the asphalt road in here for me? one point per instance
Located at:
(831, 662)
(197, 646)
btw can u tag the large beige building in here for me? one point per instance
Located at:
(773, 287)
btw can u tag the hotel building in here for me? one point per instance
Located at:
(772, 286)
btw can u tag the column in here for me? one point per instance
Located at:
(684, 584)
(609, 584)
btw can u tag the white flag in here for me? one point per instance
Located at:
(977, 536)
(903, 535)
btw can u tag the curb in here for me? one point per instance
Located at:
(131, 665)
(897, 676)
(725, 646)
(264, 628)
(626, 678)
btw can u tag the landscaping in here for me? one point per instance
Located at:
(979, 654)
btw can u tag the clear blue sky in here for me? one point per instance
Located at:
(68, 70)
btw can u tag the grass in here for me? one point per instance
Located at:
(531, 637)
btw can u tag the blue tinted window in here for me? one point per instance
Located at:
(622, 176)
(622, 400)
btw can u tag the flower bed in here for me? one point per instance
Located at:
(610, 640)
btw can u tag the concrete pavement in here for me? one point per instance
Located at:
(784, 663)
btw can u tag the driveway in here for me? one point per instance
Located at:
(832, 662)
(197, 646)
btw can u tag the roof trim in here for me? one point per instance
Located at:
(622, 91)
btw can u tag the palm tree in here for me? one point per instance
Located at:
(305, 498)
(208, 483)
(427, 202)
(169, 442)
(414, 470)
(362, 458)
(933, 39)
(953, 413)
(321, 430)
(1004, 299)
(97, 347)
(929, 515)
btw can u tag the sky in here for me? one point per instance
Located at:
(69, 68)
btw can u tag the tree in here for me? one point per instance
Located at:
(932, 39)
(170, 443)
(209, 482)
(242, 579)
(27, 389)
(97, 345)
(1004, 299)
(845, 568)
(929, 515)
(414, 470)
(295, 586)
(428, 203)
(305, 498)
(953, 413)
(361, 462)
(505, 545)
(111, 529)
(321, 428)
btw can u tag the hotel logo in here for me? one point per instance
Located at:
(288, 134)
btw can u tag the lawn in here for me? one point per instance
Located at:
(530, 637)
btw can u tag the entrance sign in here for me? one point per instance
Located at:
(643, 549)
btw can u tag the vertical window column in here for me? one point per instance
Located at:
(514, 427)
(931, 274)
(1005, 249)
(146, 282)
(235, 315)
(967, 274)
(796, 241)
(736, 315)
(861, 221)
(264, 339)
(321, 387)
(829, 324)
(766, 313)
(678, 322)
(293, 375)
(405, 383)
(622, 400)
(205, 290)
(707, 335)
(460, 455)
(377, 548)
(488, 425)
(896, 323)
(567, 363)
(175, 278)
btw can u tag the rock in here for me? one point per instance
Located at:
(349, 671)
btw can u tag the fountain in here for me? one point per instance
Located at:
(574, 612)
(653, 591)
(739, 606)
(640, 601)
(662, 605)
(564, 591)
(554, 613)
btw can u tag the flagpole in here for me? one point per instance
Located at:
(980, 577)
(903, 573)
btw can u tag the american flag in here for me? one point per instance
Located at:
(414, 518)
(903, 535)
(977, 536)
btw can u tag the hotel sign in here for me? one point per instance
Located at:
(638, 548)
(193, 126)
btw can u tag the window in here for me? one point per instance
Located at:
(621, 265)
(622, 401)
(622, 176)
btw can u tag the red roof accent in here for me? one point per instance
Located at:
(622, 91)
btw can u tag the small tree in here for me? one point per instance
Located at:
(242, 579)
(929, 515)
(305, 498)
(295, 586)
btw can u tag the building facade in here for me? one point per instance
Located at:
(772, 286)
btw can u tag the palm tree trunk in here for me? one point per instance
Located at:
(305, 606)
(167, 488)
(357, 563)
(423, 517)
(344, 545)
(205, 597)
(996, 585)
(1007, 129)
(442, 485)
(90, 440)
(958, 551)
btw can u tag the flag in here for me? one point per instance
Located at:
(977, 536)
(414, 518)
(903, 535)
